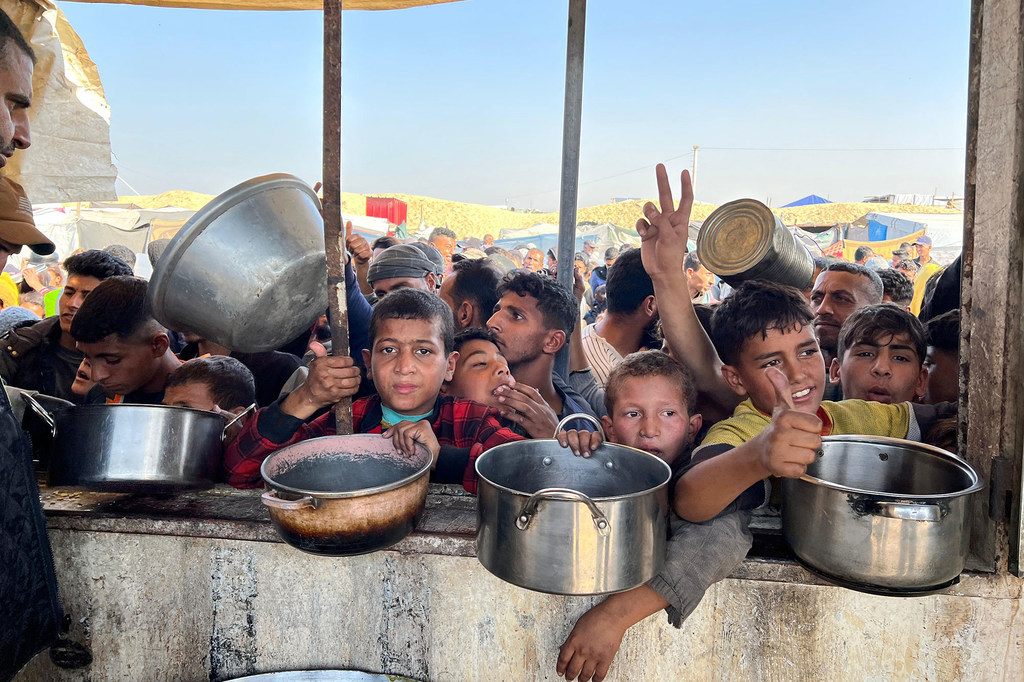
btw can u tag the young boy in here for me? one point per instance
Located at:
(943, 358)
(412, 337)
(650, 399)
(218, 384)
(480, 369)
(881, 352)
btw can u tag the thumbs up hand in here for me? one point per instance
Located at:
(357, 245)
(793, 438)
(330, 378)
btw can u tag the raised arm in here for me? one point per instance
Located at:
(663, 236)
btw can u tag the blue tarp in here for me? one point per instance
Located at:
(808, 200)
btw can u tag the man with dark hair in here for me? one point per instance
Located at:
(698, 278)
(861, 255)
(128, 350)
(43, 356)
(381, 243)
(29, 588)
(471, 291)
(632, 312)
(532, 321)
(840, 290)
(445, 241)
(896, 288)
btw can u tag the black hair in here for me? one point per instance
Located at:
(874, 281)
(753, 309)
(95, 263)
(944, 331)
(477, 281)
(862, 252)
(651, 363)
(474, 334)
(10, 32)
(897, 286)
(876, 323)
(611, 253)
(704, 313)
(413, 304)
(441, 232)
(384, 242)
(123, 252)
(118, 305)
(230, 382)
(692, 261)
(906, 265)
(628, 283)
(557, 305)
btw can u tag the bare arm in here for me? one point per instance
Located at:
(663, 237)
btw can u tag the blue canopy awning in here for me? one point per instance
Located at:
(808, 200)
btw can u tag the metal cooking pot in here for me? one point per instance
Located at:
(345, 495)
(553, 522)
(248, 271)
(134, 448)
(323, 676)
(881, 515)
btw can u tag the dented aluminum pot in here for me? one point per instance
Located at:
(881, 515)
(345, 495)
(553, 522)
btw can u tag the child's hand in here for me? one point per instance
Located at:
(406, 434)
(793, 438)
(582, 443)
(591, 646)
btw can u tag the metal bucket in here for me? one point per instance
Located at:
(881, 515)
(248, 271)
(553, 522)
(743, 240)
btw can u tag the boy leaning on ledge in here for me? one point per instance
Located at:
(411, 356)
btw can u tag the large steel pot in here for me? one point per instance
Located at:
(553, 522)
(345, 495)
(134, 448)
(882, 515)
(248, 271)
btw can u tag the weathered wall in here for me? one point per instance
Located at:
(155, 607)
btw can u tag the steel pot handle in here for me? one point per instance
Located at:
(224, 433)
(41, 411)
(566, 494)
(271, 499)
(910, 512)
(579, 415)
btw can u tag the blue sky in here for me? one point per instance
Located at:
(464, 101)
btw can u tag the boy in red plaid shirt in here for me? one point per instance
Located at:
(412, 335)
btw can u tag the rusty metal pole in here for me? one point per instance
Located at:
(334, 231)
(572, 118)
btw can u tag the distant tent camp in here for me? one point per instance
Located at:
(808, 200)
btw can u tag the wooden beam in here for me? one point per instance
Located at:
(334, 231)
(991, 339)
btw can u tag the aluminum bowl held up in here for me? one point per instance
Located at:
(553, 522)
(345, 495)
(248, 271)
(881, 515)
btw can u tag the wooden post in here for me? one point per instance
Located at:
(334, 231)
(572, 118)
(991, 339)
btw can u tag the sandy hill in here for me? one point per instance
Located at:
(473, 220)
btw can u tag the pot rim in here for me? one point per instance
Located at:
(362, 492)
(943, 455)
(604, 444)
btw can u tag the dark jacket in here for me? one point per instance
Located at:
(30, 613)
(29, 360)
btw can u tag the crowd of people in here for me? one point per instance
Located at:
(452, 348)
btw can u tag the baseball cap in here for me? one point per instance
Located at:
(468, 254)
(471, 243)
(924, 239)
(16, 223)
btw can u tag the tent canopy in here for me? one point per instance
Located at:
(271, 4)
(808, 200)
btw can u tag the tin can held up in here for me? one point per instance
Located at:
(744, 240)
